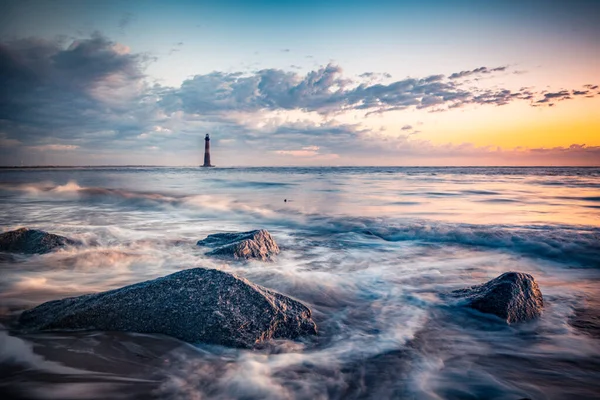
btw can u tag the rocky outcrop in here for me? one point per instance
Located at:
(32, 241)
(513, 296)
(194, 305)
(258, 245)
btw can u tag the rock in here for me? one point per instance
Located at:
(513, 296)
(194, 305)
(258, 244)
(32, 241)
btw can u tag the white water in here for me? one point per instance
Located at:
(370, 250)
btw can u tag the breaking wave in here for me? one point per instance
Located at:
(574, 245)
(368, 250)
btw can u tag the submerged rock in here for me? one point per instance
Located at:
(194, 305)
(513, 296)
(258, 244)
(32, 241)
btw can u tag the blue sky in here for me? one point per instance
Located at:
(300, 83)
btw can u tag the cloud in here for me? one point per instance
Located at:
(307, 151)
(6, 142)
(374, 75)
(326, 91)
(476, 71)
(270, 89)
(156, 130)
(91, 96)
(50, 92)
(54, 147)
(558, 96)
(307, 154)
(409, 150)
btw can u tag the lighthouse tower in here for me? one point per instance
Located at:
(207, 152)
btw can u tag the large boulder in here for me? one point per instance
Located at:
(258, 245)
(513, 296)
(32, 241)
(194, 305)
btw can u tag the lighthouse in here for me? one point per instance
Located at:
(207, 152)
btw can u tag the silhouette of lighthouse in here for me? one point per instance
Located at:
(207, 152)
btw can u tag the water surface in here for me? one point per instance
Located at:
(370, 250)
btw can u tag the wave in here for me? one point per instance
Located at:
(136, 200)
(573, 245)
(566, 244)
(481, 192)
(257, 185)
(16, 351)
(569, 244)
(582, 198)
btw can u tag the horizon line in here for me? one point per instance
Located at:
(291, 166)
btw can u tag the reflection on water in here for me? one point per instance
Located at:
(370, 250)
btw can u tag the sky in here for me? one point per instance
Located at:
(299, 83)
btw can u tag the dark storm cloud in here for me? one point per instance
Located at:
(29, 65)
(91, 85)
(88, 61)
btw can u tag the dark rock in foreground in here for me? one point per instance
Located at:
(194, 305)
(258, 244)
(32, 241)
(513, 296)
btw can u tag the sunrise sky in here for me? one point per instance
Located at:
(300, 83)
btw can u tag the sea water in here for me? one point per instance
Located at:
(370, 250)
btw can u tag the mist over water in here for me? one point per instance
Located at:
(370, 250)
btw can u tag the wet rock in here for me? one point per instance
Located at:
(513, 296)
(32, 241)
(258, 245)
(194, 305)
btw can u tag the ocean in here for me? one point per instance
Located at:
(371, 251)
